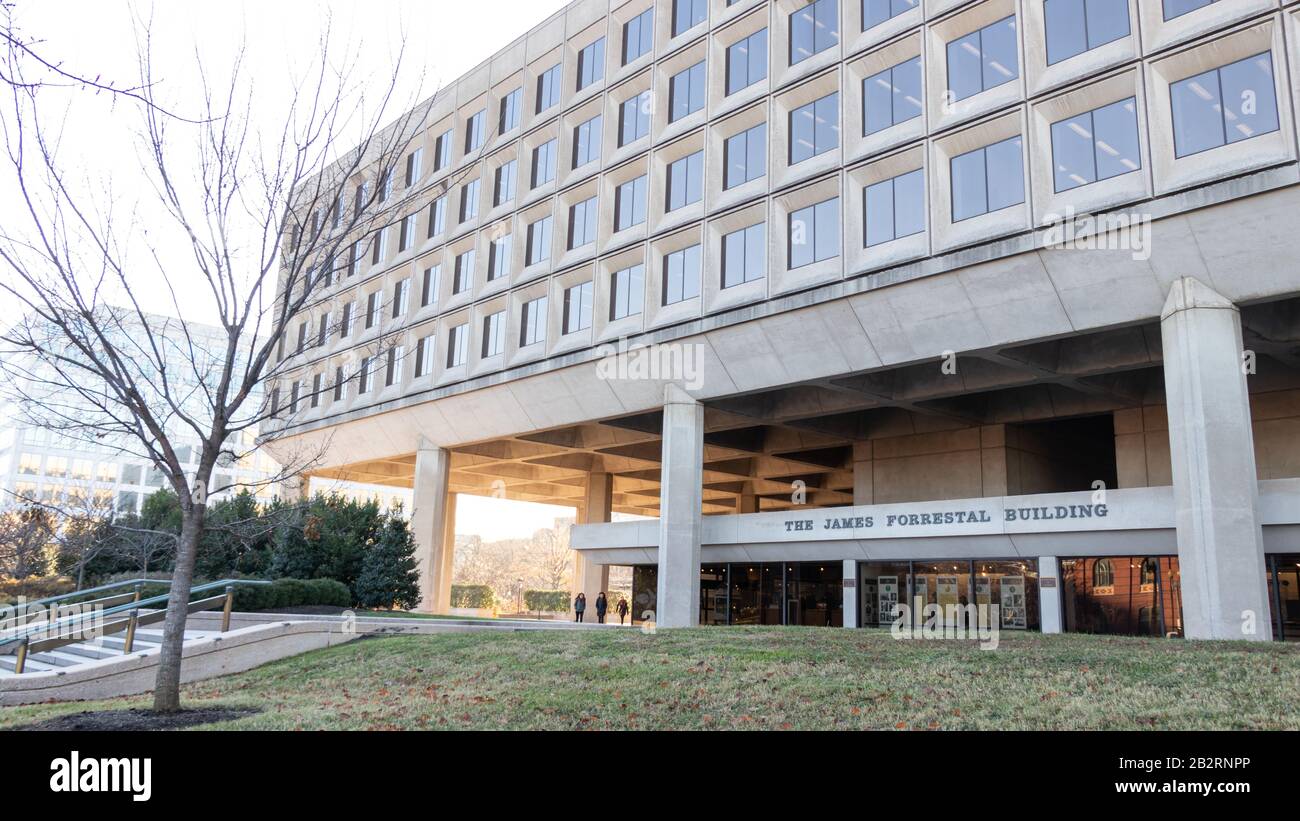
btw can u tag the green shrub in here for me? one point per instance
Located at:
(389, 577)
(478, 596)
(284, 593)
(547, 601)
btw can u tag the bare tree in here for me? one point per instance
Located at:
(271, 214)
(82, 530)
(25, 539)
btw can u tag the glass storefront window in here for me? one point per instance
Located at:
(815, 594)
(645, 592)
(1284, 595)
(881, 586)
(1122, 595)
(713, 594)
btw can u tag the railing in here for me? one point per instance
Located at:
(49, 607)
(119, 612)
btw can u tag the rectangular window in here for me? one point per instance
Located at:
(814, 234)
(345, 322)
(372, 309)
(983, 59)
(503, 188)
(302, 338)
(442, 151)
(577, 308)
(634, 119)
(745, 156)
(875, 12)
(1225, 105)
(469, 196)
(685, 181)
(532, 322)
(407, 235)
(1177, 8)
(813, 29)
(340, 385)
(681, 275)
(315, 390)
(747, 62)
(429, 285)
(457, 345)
(543, 164)
(511, 106)
(365, 377)
(385, 185)
(1076, 26)
(548, 88)
(586, 142)
(424, 356)
(591, 64)
(494, 334)
(893, 208)
(401, 297)
(629, 203)
(539, 241)
(463, 274)
(393, 373)
(686, 92)
(362, 198)
(1096, 145)
(475, 129)
(987, 179)
(582, 223)
(626, 292)
(891, 97)
(437, 216)
(815, 128)
(380, 248)
(413, 166)
(499, 258)
(638, 35)
(744, 255)
(688, 14)
(323, 329)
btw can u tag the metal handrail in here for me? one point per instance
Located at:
(61, 625)
(103, 588)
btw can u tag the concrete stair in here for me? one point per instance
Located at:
(71, 656)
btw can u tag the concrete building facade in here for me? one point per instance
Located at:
(864, 301)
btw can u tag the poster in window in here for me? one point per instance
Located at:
(1013, 602)
(887, 593)
(870, 612)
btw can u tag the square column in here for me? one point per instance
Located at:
(863, 480)
(850, 605)
(681, 500)
(1212, 453)
(433, 524)
(1049, 595)
(588, 577)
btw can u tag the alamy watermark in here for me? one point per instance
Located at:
(1100, 232)
(679, 362)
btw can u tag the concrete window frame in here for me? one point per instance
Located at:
(942, 113)
(515, 353)
(441, 120)
(501, 89)
(455, 228)
(400, 347)
(619, 18)
(443, 374)
(1049, 206)
(656, 313)
(1171, 173)
(454, 250)
(479, 365)
(659, 218)
(857, 146)
(857, 257)
(717, 298)
(1040, 77)
(720, 103)
(859, 40)
(569, 174)
(611, 152)
(563, 216)
(415, 334)
(347, 362)
(571, 94)
(558, 341)
(525, 195)
(716, 195)
(1159, 33)
(605, 330)
(525, 218)
(606, 235)
(664, 71)
(664, 27)
(780, 172)
(779, 71)
(490, 165)
(721, 14)
(947, 235)
(537, 66)
(436, 258)
(465, 111)
(513, 265)
(782, 278)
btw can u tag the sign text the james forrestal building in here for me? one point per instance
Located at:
(950, 517)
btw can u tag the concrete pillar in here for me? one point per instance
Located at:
(850, 593)
(588, 577)
(296, 489)
(1049, 595)
(748, 501)
(433, 523)
(680, 510)
(863, 485)
(1220, 543)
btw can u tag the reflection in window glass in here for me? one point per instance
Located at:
(626, 292)
(987, 179)
(747, 62)
(638, 35)
(815, 128)
(685, 181)
(814, 234)
(634, 119)
(681, 275)
(743, 255)
(813, 29)
(687, 14)
(891, 97)
(875, 12)
(686, 92)
(1096, 145)
(894, 208)
(983, 59)
(1177, 8)
(1224, 105)
(745, 156)
(1076, 26)
(629, 203)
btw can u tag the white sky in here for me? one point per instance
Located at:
(96, 37)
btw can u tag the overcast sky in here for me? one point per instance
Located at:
(97, 38)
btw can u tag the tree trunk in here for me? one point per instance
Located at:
(167, 686)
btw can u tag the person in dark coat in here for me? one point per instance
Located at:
(621, 609)
(580, 606)
(602, 604)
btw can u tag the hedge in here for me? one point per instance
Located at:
(35, 587)
(547, 601)
(291, 593)
(478, 596)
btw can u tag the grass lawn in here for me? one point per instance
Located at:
(748, 678)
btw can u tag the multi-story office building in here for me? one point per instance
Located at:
(960, 300)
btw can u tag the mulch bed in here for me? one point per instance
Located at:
(136, 720)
